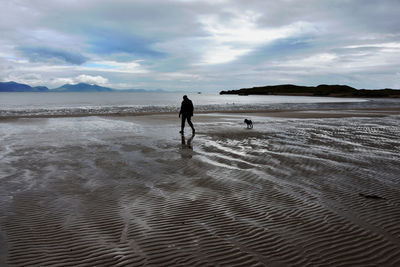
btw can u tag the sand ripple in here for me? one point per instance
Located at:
(286, 193)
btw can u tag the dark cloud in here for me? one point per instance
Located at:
(51, 55)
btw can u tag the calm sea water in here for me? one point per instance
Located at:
(33, 104)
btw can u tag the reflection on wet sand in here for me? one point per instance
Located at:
(186, 148)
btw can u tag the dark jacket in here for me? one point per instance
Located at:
(186, 108)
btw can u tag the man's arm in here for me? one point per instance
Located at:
(191, 108)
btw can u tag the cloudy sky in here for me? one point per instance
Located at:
(200, 45)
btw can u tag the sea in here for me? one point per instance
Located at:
(120, 103)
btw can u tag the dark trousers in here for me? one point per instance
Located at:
(188, 119)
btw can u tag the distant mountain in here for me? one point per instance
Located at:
(320, 90)
(19, 87)
(141, 90)
(40, 89)
(82, 87)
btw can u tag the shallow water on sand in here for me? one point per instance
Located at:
(101, 103)
(130, 191)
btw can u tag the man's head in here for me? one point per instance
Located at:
(185, 97)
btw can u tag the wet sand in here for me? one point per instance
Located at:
(302, 188)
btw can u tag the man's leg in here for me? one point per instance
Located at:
(190, 123)
(183, 123)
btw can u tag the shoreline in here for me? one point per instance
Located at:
(357, 112)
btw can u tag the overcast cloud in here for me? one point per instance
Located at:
(208, 45)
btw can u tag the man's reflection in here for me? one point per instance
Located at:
(186, 147)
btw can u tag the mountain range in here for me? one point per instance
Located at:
(80, 87)
(19, 87)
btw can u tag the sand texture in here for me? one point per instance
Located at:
(129, 191)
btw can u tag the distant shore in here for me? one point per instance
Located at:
(320, 90)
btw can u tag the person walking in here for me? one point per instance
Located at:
(186, 113)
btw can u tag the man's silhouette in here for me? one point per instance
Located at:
(186, 112)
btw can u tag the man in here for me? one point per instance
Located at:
(186, 112)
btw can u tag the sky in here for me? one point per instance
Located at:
(200, 45)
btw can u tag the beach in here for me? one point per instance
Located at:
(302, 188)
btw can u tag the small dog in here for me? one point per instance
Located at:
(249, 123)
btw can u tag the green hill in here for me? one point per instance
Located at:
(320, 90)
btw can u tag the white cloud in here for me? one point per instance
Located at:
(133, 67)
(91, 79)
(322, 60)
(61, 81)
(393, 45)
(177, 76)
(204, 1)
(221, 54)
(225, 39)
(32, 79)
(83, 78)
(243, 29)
(240, 35)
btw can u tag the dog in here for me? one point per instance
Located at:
(249, 123)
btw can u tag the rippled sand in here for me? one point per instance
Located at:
(322, 189)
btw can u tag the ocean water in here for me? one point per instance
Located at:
(101, 103)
